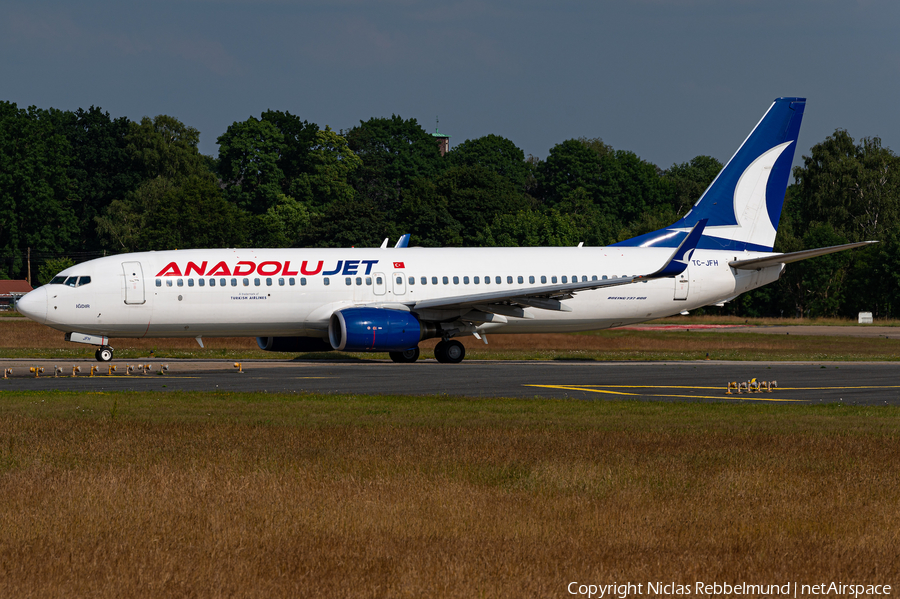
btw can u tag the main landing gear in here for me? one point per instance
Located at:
(104, 354)
(407, 356)
(449, 351)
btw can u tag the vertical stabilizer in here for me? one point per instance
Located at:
(743, 204)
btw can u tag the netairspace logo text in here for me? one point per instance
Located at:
(718, 589)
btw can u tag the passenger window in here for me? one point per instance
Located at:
(379, 280)
(487, 280)
(465, 280)
(531, 279)
(190, 282)
(584, 278)
(497, 280)
(412, 280)
(359, 280)
(446, 281)
(168, 282)
(509, 280)
(604, 277)
(565, 279)
(326, 281)
(399, 280)
(223, 282)
(246, 282)
(269, 282)
(348, 280)
(83, 281)
(477, 280)
(456, 280)
(594, 278)
(521, 279)
(281, 281)
(212, 282)
(256, 282)
(181, 282)
(234, 282)
(201, 282)
(424, 280)
(368, 280)
(434, 280)
(158, 282)
(543, 278)
(292, 281)
(553, 279)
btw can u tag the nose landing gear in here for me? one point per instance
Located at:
(104, 354)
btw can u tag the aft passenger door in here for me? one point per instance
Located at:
(134, 283)
(682, 284)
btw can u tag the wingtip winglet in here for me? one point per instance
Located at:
(678, 261)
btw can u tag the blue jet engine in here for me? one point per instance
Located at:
(375, 329)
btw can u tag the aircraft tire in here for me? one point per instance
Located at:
(405, 357)
(104, 354)
(450, 352)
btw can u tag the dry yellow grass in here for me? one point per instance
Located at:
(196, 495)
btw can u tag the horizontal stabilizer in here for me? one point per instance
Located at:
(758, 263)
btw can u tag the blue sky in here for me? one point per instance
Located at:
(667, 79)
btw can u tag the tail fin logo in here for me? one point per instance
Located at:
(750, 205)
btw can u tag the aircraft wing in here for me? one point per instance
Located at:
(510, 302)
(758, 263)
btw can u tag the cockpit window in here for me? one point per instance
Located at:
(70, 281)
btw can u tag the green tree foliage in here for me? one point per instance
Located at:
(249, 154)
(329, 166)
(77, 182)
(100, 168)
(179, 203)
(164, 147)
(496, 154)
(35, 207)
(299, 137)
(394, 153)
(688, 180)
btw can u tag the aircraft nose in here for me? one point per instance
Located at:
(34, 305)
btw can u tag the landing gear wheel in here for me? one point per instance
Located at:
(407, 356)
(104, 354)
(449, 352)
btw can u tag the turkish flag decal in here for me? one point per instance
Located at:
(398, 265)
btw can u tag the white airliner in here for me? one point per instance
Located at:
(389, 299)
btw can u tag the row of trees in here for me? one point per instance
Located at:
(75, 185)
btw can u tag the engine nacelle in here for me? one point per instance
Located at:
(293, 344)
(374, 329)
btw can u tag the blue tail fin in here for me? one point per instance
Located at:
(743, 204)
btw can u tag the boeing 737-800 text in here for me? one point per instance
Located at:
(389, 299)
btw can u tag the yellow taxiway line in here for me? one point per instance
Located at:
(594, 389)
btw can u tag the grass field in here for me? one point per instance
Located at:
(263, 495)
(22, 338)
